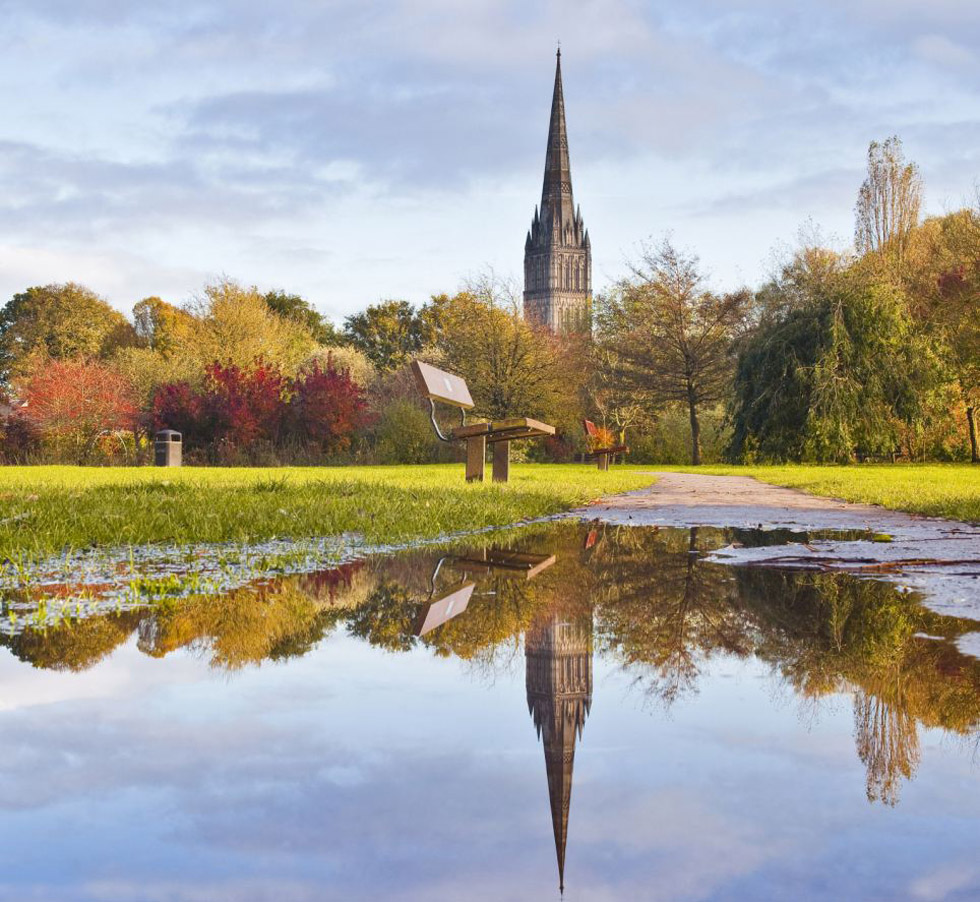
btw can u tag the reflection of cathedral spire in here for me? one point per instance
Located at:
(559, 696)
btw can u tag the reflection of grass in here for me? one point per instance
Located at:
(936, 490)
(46, 509)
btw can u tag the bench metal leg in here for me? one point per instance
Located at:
(476, 455)
(501, 461)
(603, 461)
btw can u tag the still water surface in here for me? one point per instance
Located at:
(591, 707)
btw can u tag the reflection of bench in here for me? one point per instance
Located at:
(437, 385)
(444, 608)
(520, 564)
(490, 561)
(603, 453)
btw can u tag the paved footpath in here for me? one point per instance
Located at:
(939, 558)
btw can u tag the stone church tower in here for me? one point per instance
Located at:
(557, 253)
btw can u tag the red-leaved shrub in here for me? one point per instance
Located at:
(237, 411)
(70, 402)
(177, 405)
(327, 407)
(245, 408)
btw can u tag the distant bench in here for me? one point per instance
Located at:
(603, 453)
(447, 388)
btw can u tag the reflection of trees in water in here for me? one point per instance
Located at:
(386, 618)
(73, 645)
(660, 610)
(833, 633)
(268, 621)
(887, 739)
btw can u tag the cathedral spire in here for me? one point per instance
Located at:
(556, 193)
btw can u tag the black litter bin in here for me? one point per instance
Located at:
(167, 448)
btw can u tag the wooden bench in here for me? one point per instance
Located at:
(446, 388)
(602, 455)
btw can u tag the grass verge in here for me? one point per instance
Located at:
(935, 490)
(50, 509)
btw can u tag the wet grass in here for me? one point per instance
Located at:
(45, 510)
(935, 490)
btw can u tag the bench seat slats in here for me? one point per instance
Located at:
(505, 430)
(513, 563)
(617, 449)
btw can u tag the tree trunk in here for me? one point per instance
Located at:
(695, 431)
(971, 419)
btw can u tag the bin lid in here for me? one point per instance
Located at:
(168, 435)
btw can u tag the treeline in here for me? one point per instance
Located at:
(261, 378)
(841, 356)
(868, 354)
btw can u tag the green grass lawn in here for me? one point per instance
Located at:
(49, 509)
(936, 490)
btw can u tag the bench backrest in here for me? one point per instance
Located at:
(590, 428)
(441, 386)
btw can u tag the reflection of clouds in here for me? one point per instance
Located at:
(351, 773)
(232, 889)
(676, 844)
(23, 687)
(946, 882)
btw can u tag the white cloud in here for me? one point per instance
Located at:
(346, 149)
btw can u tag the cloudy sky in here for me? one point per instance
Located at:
(354, 151)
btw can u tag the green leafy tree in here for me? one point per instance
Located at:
(58, 322)
(833, 376)
(298, 310)
(390, 333)
(403, 435)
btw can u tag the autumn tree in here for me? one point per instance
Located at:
(241, 411)
(161, 326)
(944, 288)
(511, 368)
(669, 339)
(888, 203)
(57, 322)
(165, 333)
(236, 326)
(326, 407)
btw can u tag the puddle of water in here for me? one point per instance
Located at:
(599, 706)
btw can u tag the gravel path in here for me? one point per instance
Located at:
(938, 558)
(691, 499)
